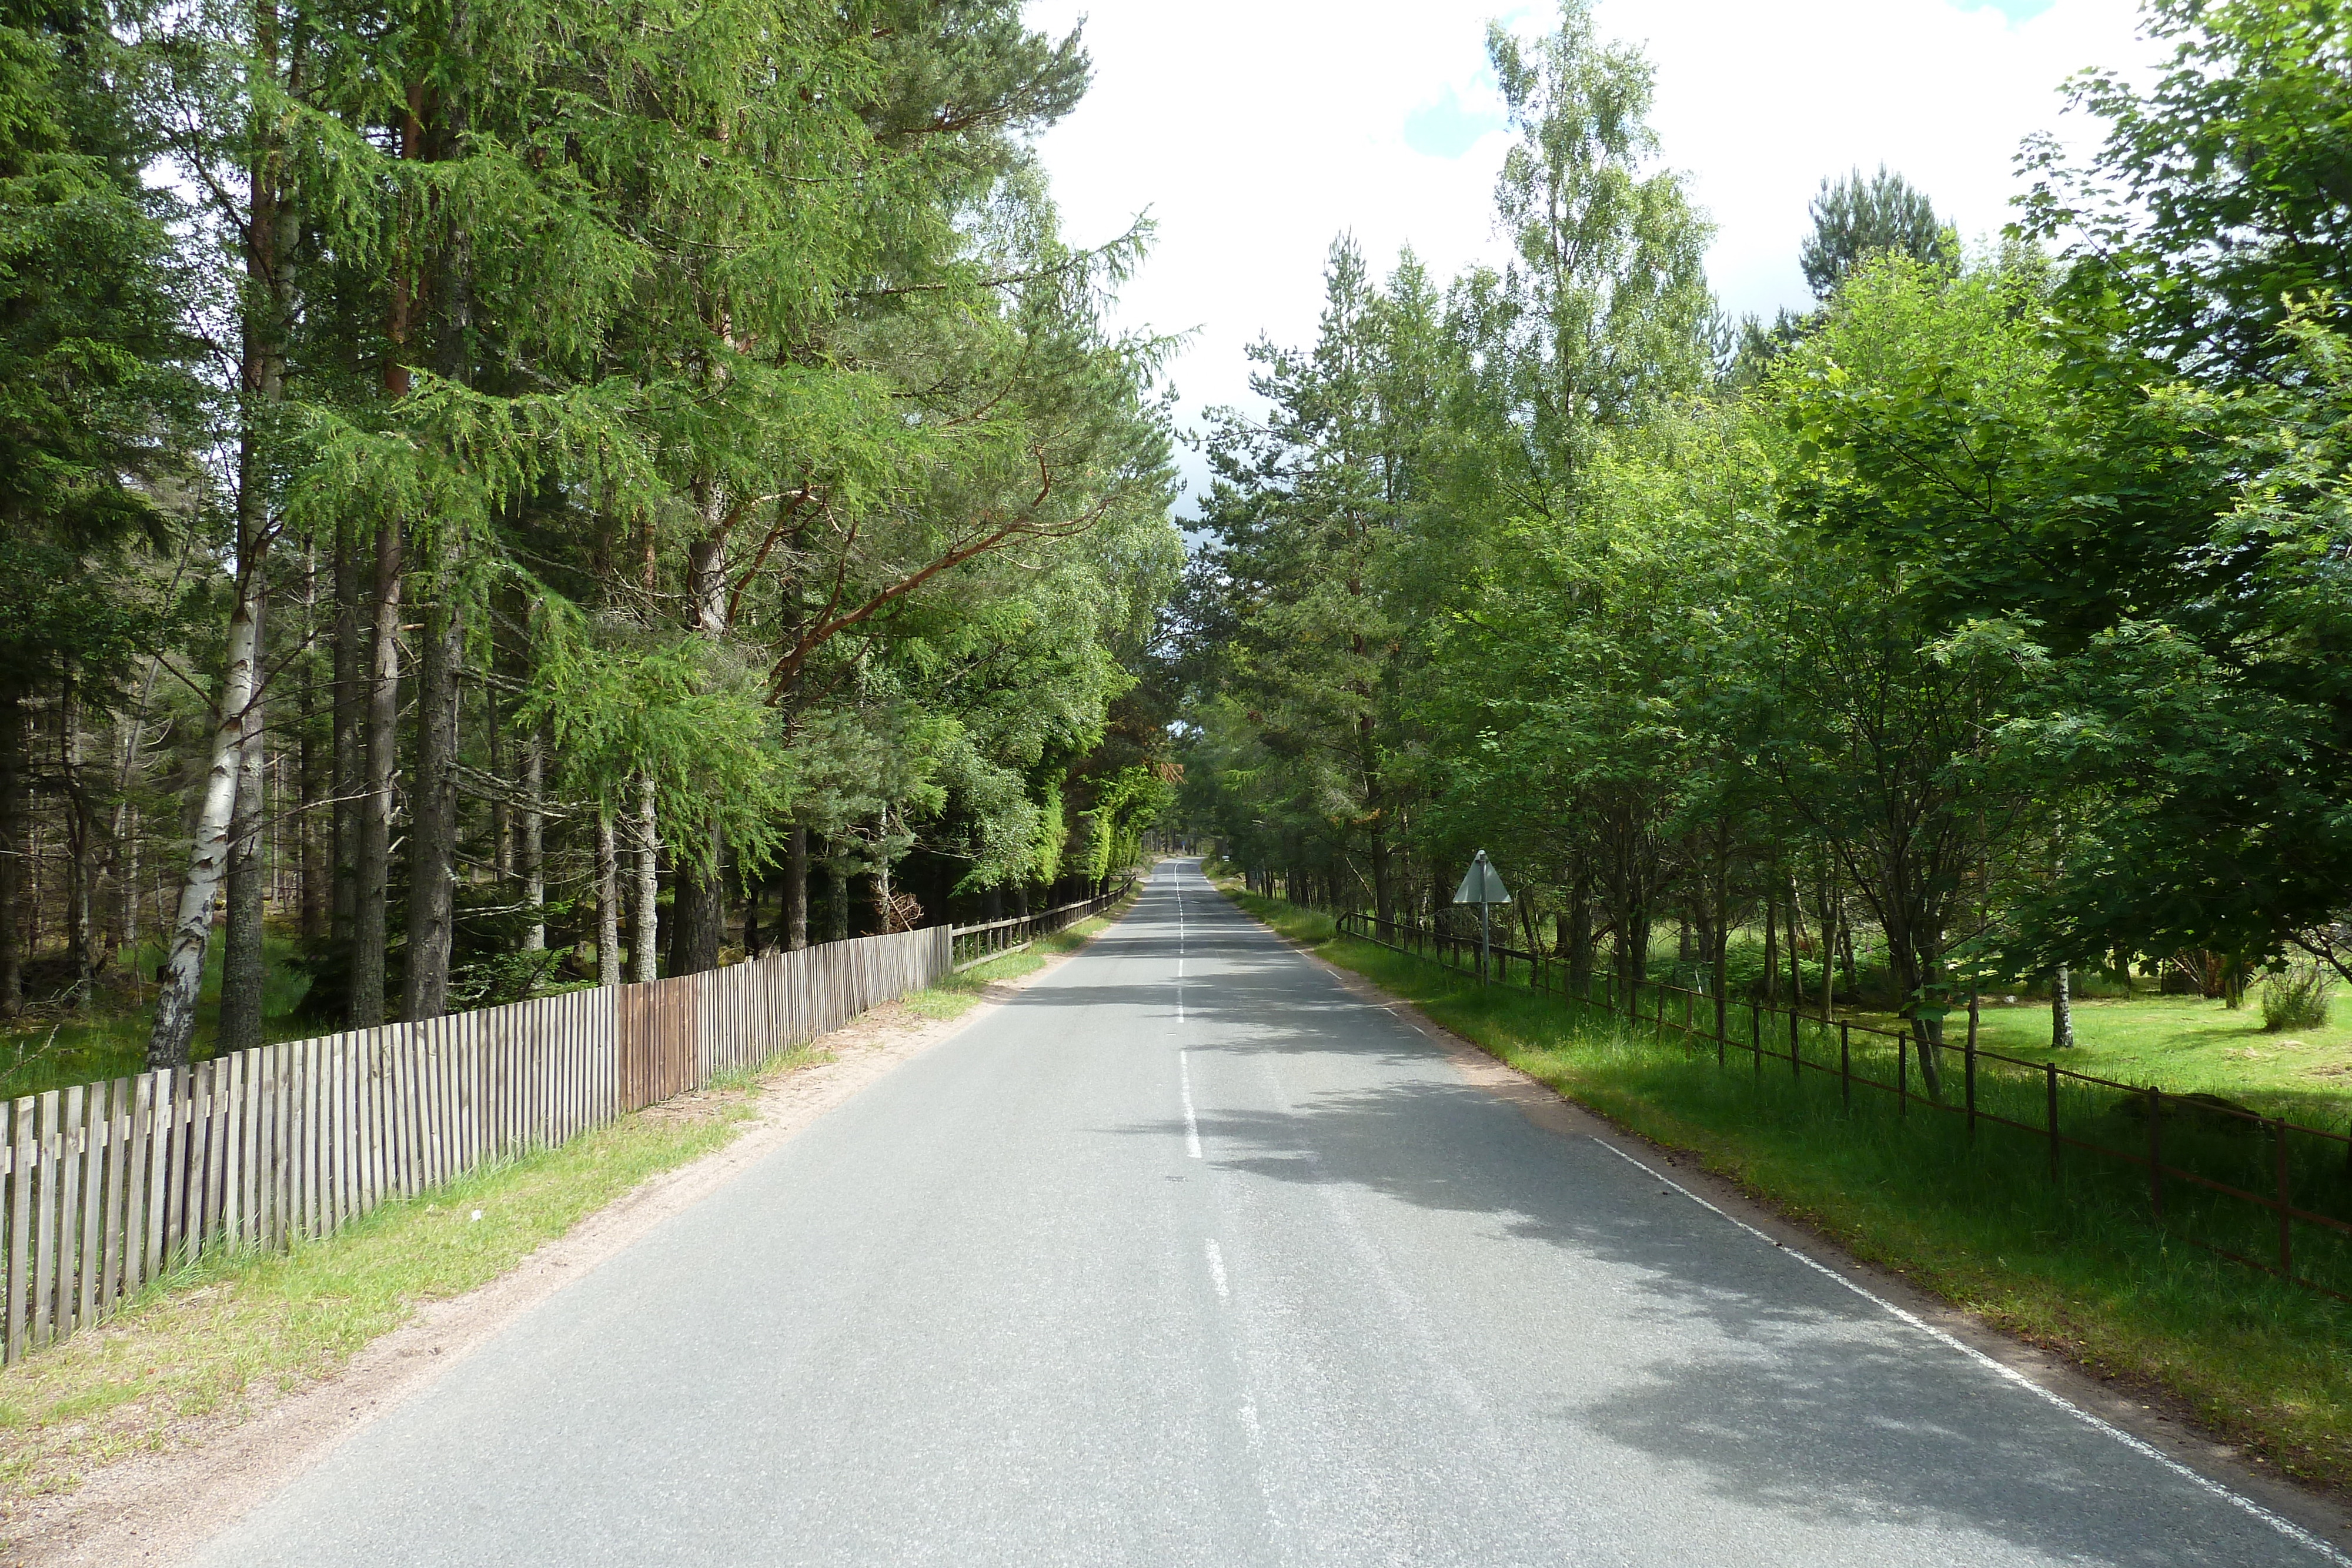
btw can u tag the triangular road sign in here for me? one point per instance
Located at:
(1482, 885)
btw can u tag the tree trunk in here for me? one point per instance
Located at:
(698, 912)
(643, 943)
(347, 703)
(753, 937)
(1832, 912)
(370, 938)
(1915, 970)
(608, 900)
(313, 870)
(127, 842)
(2062, 1009)
(192, 929)
(433, 812)
(836, 892)
(81, 840)
(796, 856)
(1795, 953)
(502, 812)
(534, 844)
(12, 851)
(243, 970)
(269, 236)
(1577, 933)
(1771, 953)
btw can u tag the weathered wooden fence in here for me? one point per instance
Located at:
(994, 939)
(108, 1185)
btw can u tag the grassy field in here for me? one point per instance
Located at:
(2077, 1266)
(2188, 1045)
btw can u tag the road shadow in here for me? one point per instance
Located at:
(1788, 1392)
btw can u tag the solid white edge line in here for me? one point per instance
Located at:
(2285, 1527)
(1216, 1268)
(1192, 1122)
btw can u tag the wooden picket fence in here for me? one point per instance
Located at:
(109, 1185)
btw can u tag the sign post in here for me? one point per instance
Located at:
(1484, 888)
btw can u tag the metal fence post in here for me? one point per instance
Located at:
(2156, 1150)
(1756, 1033)
(1845, 1064)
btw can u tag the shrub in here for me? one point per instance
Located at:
(2297, 998)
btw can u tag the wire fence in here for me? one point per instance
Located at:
(2258, 1190)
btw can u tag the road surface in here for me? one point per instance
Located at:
(1188, 1254)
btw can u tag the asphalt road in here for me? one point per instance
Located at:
(1187, 1255)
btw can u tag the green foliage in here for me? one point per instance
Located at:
(2219, 196)
(1856, 218)
(1989, 617)
(2297, 998)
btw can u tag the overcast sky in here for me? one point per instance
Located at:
(1255, 131)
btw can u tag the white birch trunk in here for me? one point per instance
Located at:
(608, 900)
(644, 951)
(192, 929)
(534, 857)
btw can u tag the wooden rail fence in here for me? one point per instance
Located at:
(109, 1185)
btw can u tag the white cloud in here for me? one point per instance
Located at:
(1255, 132)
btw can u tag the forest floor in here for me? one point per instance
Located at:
(238, 1343)
(57, 1044)
(2078, 1267)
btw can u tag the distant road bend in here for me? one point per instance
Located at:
(1189, 1255)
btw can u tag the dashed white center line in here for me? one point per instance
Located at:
(1217, 1271)
(1192, 1122)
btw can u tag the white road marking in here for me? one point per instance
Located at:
(1217, 1273)
(2285, 1527)
(1192, 1122)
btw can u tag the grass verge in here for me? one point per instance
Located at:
(238, 1328)
(958, 994)
(2077, 1267)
